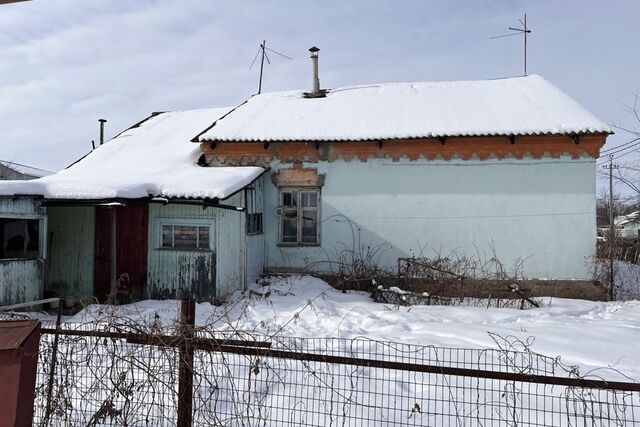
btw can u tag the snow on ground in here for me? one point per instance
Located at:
(590, 334)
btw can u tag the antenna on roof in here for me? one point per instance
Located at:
(263, 49)
(516, 31)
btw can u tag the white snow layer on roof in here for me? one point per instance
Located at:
(154, 159)
(512, 106)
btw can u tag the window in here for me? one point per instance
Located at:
(185, 236)
(19, 238)
(299, 217)
(254, 209)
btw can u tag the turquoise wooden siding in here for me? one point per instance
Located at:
(255, 243)
(71, 247)
(21, 280)
(231, 248)
(20, 207)
(208, 275)
(171, 273)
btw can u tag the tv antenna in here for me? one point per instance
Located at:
(524, 30)
(263, 49)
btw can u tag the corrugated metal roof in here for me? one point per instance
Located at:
(511, 106)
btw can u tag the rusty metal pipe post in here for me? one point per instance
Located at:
(185, 369)
(52, 367)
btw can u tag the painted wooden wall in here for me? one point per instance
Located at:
(231, 243)
(210, 275)
(255, 253)
(21, 280)
(71, 248)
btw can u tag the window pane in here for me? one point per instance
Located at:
(309, 199)
(167, 234)
(289, 230)
(289, 198)
(184, 237)
(203, 235)
(19, 238)
(33, 238)
(310, 226)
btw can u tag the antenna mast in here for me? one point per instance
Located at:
(262, 50)
(525, 31)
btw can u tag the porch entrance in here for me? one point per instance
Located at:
(121, 266)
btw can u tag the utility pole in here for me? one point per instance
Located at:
(612, 231)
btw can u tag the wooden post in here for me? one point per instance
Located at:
(185, 370)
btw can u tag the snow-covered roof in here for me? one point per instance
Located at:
(154, 159)
(511, 106)
(26, 170)
(626, 219)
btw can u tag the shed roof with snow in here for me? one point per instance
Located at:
(25, 171)
(151, 159)
(511, 106)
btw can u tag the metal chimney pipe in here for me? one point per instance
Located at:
(314, 62)
(102, 122)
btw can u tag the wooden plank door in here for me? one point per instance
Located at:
(102, 257)
(131, 250)
(131, 228)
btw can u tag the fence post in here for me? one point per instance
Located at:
(52, 367)
(185, 370)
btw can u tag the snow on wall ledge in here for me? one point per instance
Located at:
(511, 106)
(153, 159)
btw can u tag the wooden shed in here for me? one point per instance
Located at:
(135, 218)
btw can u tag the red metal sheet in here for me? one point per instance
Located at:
(13, 333)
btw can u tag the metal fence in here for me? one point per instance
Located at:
(115, 374)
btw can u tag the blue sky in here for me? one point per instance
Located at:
(66, 63)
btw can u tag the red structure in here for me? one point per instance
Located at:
(19, 341)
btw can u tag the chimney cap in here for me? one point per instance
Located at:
(314, 49)
(102, 120)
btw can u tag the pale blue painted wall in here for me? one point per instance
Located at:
(21, 280)
(169, 271)
(539, 209)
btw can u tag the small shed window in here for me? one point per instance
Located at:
(187, 237)
(20, 238)
(299, 214)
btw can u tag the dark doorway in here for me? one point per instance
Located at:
(131, 228)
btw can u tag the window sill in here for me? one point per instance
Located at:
(299, 245)
(18, 259)
(184, 250)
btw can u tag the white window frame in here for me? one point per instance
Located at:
(160, 222)
(299, 215)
